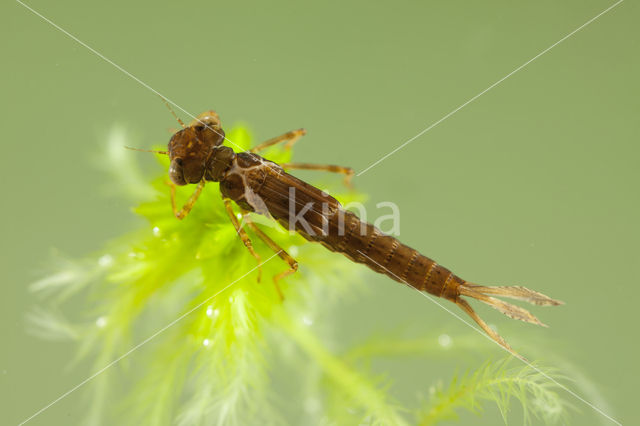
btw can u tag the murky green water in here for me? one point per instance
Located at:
(535, 182)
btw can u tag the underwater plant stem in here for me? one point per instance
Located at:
(354, 384)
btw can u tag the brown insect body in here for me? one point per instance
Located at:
(322, 219)
(262, 186)
(191, 151)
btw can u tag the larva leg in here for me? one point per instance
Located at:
(243, 235)
(184, 211)
(347, 171)
(293, 265)
(290, 138)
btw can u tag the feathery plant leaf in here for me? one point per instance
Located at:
(495, 382)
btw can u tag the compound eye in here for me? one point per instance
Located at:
(212, 137)
(176, 172)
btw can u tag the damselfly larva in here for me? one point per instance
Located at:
(258, 185)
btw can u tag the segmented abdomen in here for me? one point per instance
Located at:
(366, 244)
(319, 217)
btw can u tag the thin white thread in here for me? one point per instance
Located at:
(499, 345)
(145, 341)
(489, 88)
(127, 73)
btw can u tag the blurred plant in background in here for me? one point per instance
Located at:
(209, 340)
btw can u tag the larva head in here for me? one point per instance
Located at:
(191, 148)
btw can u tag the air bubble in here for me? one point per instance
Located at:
(105, 260)
(444, 340)
(101, 322)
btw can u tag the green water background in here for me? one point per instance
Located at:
(535, 182)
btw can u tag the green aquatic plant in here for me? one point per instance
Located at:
(188, 335)
(496, 382)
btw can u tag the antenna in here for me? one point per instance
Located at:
(172, 112)
(148, 150)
